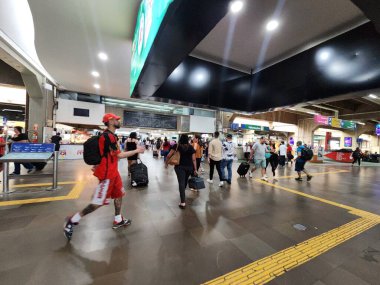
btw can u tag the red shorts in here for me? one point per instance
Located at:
(108, 189)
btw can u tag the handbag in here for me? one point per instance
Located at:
(196, 183)
(175, 158)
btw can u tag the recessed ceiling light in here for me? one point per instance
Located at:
(236, 6)
(102, 56)
(95, 73)
(373, 96)
(325, 55)
(272, 25)
(97, 86)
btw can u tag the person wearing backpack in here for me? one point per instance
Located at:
(301, 160)
(110, 183)
(357, 156)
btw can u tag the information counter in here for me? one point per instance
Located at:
(71, 151)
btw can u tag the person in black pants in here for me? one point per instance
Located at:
(187, 165)
(273, 159)
(357, 156)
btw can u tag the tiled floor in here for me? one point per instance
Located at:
(222, 229)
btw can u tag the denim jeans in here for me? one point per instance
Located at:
(18, 167)
(226, 163)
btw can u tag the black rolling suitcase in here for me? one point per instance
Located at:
(243, 169)
(155, 153)
(139, 174)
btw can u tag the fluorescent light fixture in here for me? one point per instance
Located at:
(312, 113)
(272, 25)
(97, 86)
(360, 123)
(103, 56)
(373, 96)
(236, 6)
(12, 110)
(95, 73)
(199, 77)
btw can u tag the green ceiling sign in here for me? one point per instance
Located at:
(149, 19)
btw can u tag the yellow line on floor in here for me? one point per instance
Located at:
(314, 174)
(42, 184)
(266, 269)
(74, 194)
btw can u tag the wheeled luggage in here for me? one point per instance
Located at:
(139, 174)
(196, 183)
(243, 169)
(155, 153)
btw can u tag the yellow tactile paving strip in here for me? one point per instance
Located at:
(266, 269)
(74, 194)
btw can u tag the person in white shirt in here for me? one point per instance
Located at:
(215, 157)
(281, 160)
(229, 152)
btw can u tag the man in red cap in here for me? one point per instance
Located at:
(110, 184)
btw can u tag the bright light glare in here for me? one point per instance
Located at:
(272, 25)
(324, 55)
(199, 77)
(95, 74)
(373, 96)
(236, 6)
(177, 74)
(97, 86)
(102, 56)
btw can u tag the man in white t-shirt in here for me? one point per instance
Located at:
(281, 160)
(258, 154)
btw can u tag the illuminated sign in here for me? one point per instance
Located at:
(254, 127)
(149, 18)
(378, 129)
(348, 142)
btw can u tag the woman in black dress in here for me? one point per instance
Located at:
(131, 144)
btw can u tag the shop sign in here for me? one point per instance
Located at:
(254, 127)
(234, 126)
(149, 19)
(378, 129)
(323, 120)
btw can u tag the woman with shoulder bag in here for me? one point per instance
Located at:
(182, 156)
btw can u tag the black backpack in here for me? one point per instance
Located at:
(307, 153)
(91, 151)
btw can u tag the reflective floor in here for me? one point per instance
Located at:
(221, 230)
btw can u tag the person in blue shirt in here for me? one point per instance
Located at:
(300, 163)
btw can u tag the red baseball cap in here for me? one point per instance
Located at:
(110, 116)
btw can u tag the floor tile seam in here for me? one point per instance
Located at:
(314, 174)
(300, 258)
(43, 184)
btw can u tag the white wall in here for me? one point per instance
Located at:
(200, 124)
(65, 112)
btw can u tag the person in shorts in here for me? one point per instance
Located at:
(110, 183)
(300, 163)
(258, 154)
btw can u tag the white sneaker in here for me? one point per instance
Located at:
(221, 183)
(210, 181)
(134, 184)
(264, 178)
(250, 175)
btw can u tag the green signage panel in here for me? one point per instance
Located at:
(254, 127)
(149, 18)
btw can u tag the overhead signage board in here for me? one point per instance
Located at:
(334, 122)
(149, 120)
(254, 127)
(149, 19)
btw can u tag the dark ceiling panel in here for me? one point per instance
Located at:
(9, 75)
(345, 64)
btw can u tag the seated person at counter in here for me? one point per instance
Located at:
(21, 137)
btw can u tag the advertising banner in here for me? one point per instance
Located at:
(340, 156)
(323, 120)
(378, 129)
(348, 142)
(334, 122)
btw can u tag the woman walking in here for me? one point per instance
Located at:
(357, 156)
(273, 158)
(187, 165)
(165, 148)
(198, 150)
(130, 145)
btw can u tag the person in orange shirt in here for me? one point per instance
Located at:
(198, 150)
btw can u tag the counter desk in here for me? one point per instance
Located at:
(71, 151)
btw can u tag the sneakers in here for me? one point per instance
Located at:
(229, 182)
(68, 228)
(210, 181)
(264, 178)
(309, 177)
(298, 179)
(123, 223)
(250, 175)
(31, 170)
(14, 173)
(221, 183)
(134, 184)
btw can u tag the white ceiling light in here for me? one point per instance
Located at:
(373, 96)
(236, 6)
(97, 86)
(103, 56)
(95, 73)
(272, 25)
(324, 55)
